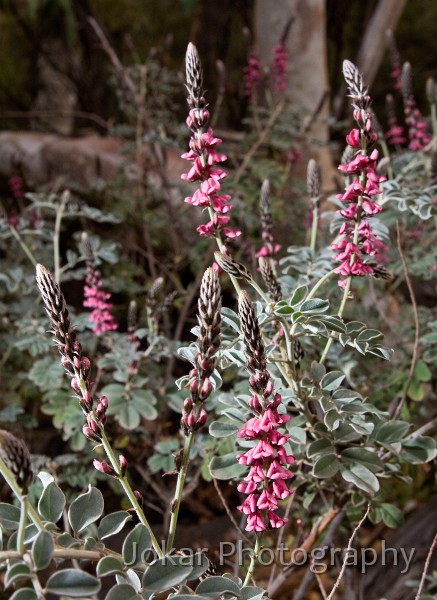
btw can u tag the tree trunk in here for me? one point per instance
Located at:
(373, 45)
(307, 75)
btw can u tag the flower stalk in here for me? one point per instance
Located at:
(194, 415)
(78, 367)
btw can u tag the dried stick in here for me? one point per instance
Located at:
(259, 142)
(156, 150)
(349, 546)
(241, 534)
(416, 324)
(318, 528)
(426, 567)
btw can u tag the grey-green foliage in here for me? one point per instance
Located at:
(135, 572)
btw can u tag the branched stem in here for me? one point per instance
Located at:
(179, 489)
(23, 245)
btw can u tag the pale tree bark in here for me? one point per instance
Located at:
(307, 74)
(374, 43)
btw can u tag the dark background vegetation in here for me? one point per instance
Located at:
(221, 30)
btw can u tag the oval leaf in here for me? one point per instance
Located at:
(360, 455)
(299, 295)
(113, 523)
(24, 594)
(360, 476)
(9, 516)
(52, 503)
(218, 585)
(220, 429)
(109, 565)
(226, 467)
(331, 381)
(136, 545)
(72, 582)
(316, 305)
(326, 466)
(123, 591)
(165, 573)
(42, 550)
(86, 509)
(15, 572)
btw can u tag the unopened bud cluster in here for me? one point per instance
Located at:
(193, 413)
(76, 365)
(269, 247)
(15, 454)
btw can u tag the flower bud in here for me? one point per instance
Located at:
(103, 467)
(254, 404)
(123, 464)
(86, 430)
(75, 385)
(188, 405)
(201, 419)
(206, 388)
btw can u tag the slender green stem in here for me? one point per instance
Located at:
(129, 491)
(339, 314)
(319, 284)
(22, 526)
(314, 227)
(122, 478)
(16, 490)
(260, 291)
(39, 591)
(386, 153)
(57, 234)
(24, 246)
(253, 560)
(179, 488)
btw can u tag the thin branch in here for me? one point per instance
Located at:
(259, 142)
(349, 546)
(320, 584)
(228, 511)
(318, 528)
(416, 325)
(50, 114)
(426, 567)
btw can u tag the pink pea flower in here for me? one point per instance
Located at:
(97, 300)
(264, 485)
(252, 76)
(356, 238)
(204, 157)
(280, 59)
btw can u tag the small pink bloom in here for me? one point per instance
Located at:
(275, 521)
(255, 523)
(267, 501)
(249, 506)
(353, 138)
